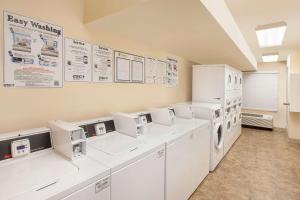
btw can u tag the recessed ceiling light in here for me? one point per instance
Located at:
(271, 57)
(271, 35)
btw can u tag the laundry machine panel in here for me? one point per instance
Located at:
(187, 164)
(205, 88)
(143, 179)
(99, 190)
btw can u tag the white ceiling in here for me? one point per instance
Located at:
(182, 27)
(251, 13)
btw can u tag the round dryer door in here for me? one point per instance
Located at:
(228, 125)
(234, 119)
(218, 136)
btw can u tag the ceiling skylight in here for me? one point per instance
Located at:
(273, 57)
(271, 35)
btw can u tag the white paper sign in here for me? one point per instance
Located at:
(150, 70)
(123, 69)
(129, 68)
(102, 64)
(172, 72)
(137, 71)
(32, 52)
(161, 72)
(77, 60)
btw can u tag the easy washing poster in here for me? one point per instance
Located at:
(33, 52)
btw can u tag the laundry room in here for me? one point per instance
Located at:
(149, 100)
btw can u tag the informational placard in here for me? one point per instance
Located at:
(150, 72)
(129, 68)
(78, 57)
(161, 72)
(172, 72)
(102, 64)
(33, 54)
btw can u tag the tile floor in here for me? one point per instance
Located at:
(261, 165)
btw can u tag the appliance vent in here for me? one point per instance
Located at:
(257, 120)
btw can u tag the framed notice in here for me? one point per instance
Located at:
(102, 64)
(129, 68)
(33, 54)
(77, 60)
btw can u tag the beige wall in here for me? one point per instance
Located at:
(28, 108)
(279, 116)
(294, 118)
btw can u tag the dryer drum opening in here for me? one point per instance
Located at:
(219, 136)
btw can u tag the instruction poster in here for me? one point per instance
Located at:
(102, 64)
(150, 70)
(33, 54)
(161, 72)
(129, 68)
(172, 72)
(77, 60)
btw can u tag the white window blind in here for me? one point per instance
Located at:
(260, 90)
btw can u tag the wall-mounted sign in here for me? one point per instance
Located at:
(77, 60)
(129, 68)
(102, 64)
(172, 72)
(161, 72)
(150, 72)
(33, 54)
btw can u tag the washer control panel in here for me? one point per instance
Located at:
(100, 129)
(20, 147)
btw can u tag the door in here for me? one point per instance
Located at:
(99, 190)
(187, 164)
(141, 180)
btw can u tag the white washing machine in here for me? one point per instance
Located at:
(213, 113)
(31, 170)
(137, 168)
(187, 150)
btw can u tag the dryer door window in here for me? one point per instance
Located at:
(229, 80)
(217, 114)
(234, 120)
(228, 126)
(218, 131)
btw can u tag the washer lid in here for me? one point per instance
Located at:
(115, 143)
(33, 172)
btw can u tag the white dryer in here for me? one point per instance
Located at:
(213, 113)
(30, 169)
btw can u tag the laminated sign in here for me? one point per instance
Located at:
(77, 60)
(32, 52)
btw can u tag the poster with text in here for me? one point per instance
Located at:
(102, 64)
(33, 54)
(150, 70)
(78, 59)
(172, 72)
(161, 72)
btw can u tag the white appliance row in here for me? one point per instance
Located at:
(221, 84)
(152, 155)
(43, 173)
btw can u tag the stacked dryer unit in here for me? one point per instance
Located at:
(221, 84)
